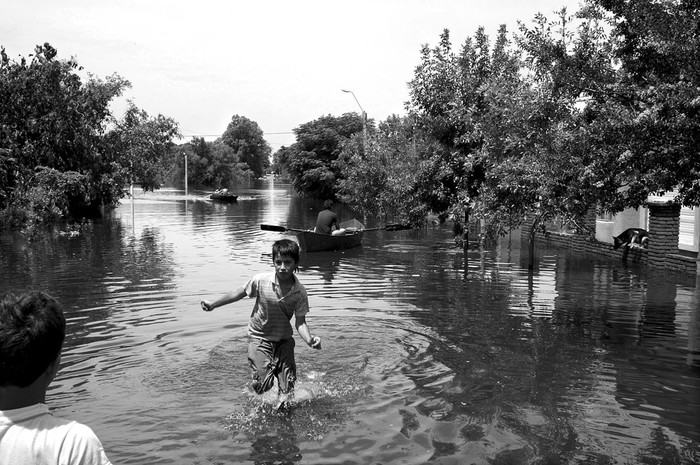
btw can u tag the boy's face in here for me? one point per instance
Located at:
(284, 266)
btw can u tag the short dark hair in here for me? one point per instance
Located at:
(32, 330)
(285, 247)
(328, 204)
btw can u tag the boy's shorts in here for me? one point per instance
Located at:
(270, 360)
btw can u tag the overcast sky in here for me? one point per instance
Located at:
(278, 63)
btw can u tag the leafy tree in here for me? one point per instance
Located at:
(246, 139)
(198, 153)
(279, 161)
(509, 125)
(562, 60)
(140, 144)
(461, 100)
(49, 116)
(50, 122)
(53, 193)
(209, 164)
(311, 162)
(616, 114)
(379, 178)
(644, 125)
(224, 167)
(61, 151)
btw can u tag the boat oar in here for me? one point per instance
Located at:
(272, 227)
(391, 227)
(388, 227)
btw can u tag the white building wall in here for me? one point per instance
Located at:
(612, 225)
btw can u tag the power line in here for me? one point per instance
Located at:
(201, 135)
(217, 135)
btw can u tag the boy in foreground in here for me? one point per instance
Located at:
(278, 297)
(32, 330)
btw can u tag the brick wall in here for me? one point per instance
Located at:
(664, 223)
(662, 251)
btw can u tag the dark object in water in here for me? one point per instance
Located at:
(312, 242)
(223, 196)
(631, 237)
(349, 235)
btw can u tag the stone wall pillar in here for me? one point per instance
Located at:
(664, 224)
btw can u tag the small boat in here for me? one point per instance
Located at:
(223, 196)
(310, 241)
(350, 237)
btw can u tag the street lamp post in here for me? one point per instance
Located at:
(364, 119)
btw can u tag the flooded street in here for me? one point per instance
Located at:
(427, 357)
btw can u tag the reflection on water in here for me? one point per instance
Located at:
(427, 357)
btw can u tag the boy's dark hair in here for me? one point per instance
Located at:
(32, 330)
(328, 204)
(285, 247)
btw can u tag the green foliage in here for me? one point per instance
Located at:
(561, 63)
(379, 181)
(61, 151)
(593, 111)
(53, 192)
(48, 196)
(138, 147)
(49, 116)
(645, 125)
(597, 110)
(580, 115)
(312, 162)
(209, 164)
(280, 160)
(471, 104)
(246, 139)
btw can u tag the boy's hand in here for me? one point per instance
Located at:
(315, 342)
(206, 306)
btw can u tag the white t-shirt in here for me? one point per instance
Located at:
(33, 436)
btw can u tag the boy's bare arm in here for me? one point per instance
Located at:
(228, 298)
(303, 330)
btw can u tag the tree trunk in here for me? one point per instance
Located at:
(531, 246)
(465, 237)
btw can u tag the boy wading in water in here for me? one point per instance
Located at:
(278, 297)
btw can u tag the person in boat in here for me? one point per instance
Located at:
(327, 220)
(32, 331)
(278, 296)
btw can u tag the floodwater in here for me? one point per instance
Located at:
(427, 357)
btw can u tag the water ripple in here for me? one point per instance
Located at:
(429, 356)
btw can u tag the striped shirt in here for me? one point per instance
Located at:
(272, 311)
